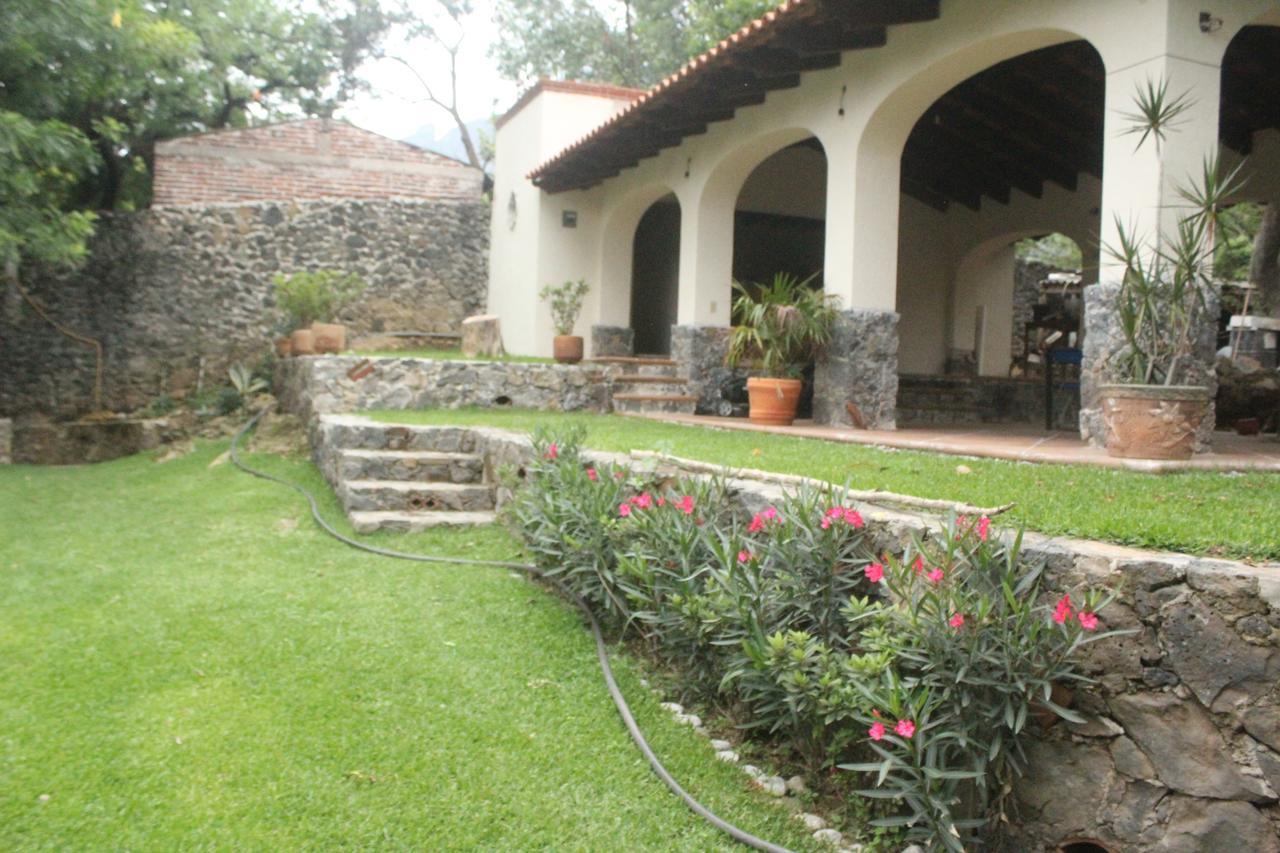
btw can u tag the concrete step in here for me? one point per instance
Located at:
(652, 403)
(631, 383)
(415, 522)
(400, 496)
(360, 434)
(410, 465)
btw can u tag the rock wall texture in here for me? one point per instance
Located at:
(316, 385)
(176, 295)
(607, 341)
(1104, 341)
(6, 441)
(700, 351)
(860, 367)
(975, 399)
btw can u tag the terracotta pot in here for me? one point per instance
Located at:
(302, 342)
(1152, 421)
(567, 349)
(329, 337)
(284, 347)
(773, 401)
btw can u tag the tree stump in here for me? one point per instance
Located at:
(482, 336)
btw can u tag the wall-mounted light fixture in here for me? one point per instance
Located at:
(1209, 23)
(843, 90)
(687, 165)
(569, 218)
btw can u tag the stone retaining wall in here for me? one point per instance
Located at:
(1181, 748)
(6, 441)
(316, 385)
(176, 295)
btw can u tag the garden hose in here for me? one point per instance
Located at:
(602, 655)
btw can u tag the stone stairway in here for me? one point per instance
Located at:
(646, 384)
(395, 477)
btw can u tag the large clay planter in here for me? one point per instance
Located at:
(302, 342)
(1153, 421)
(284, 347)
(330, 338)
(567, 349)
(773, 401)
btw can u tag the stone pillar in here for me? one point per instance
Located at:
(859, 367)
(6, 441)
(700, 353)
(608, 341)
(1104, 342)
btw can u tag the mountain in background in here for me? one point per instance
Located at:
(449, 143)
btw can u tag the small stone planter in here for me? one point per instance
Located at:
(1153, 421)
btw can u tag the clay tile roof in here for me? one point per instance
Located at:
(764, 56)
(577, 87)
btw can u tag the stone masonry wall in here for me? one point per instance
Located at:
(176, 295)
(317, 385)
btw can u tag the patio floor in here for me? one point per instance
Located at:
(1017, 442)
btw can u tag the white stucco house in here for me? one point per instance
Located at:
(896, 149)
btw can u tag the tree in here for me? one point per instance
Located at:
(126, 73)
(40, 164)
(1264, 266)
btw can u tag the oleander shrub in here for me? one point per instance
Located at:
(919, 672)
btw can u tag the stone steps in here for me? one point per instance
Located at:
(405, 477)
(614, 366)
(630, 404)
(635, 384)
(410, 465)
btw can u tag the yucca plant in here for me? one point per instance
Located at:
(782, 326)
(1168, 277)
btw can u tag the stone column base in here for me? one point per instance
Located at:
(860, 367)
(1104, 341)
(700, 353)
(612, 341)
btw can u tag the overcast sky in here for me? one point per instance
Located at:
(396, 107)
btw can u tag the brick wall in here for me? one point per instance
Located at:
(303, 160)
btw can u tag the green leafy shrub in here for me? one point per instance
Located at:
(228, 400)
(566, 303)
(975, 652)
(244, 381)
(781, 326)
(309, 297)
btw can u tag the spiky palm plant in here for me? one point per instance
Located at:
(783, 326)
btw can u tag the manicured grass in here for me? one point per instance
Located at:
(447, 355)
(1198, 512)
(187, 663)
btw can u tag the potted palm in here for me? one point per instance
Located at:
(1154, 405)
(566, 303)
(781, 328)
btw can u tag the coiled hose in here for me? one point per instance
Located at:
(602, 655)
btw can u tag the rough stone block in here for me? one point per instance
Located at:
(609, 341)
(482, 336)
(1199, 825)
(1207, 654)
(700, 352)
(859, 369)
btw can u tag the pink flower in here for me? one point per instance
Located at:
(935, 576)
(686, 505)
(956, 621)
(1062, 611)
(875, 572)
(662, 501)
(1088, 621)
(552, 451)
(757, 524)
(905, 728)
(592, 475)
(744, 556)
(835, 512)
(769, 514)
(642, 501)
(826, 524)
(918, 565)
(624, 510)
(852, 516)
(984, 528)
(876, 732)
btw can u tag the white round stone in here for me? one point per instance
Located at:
(753, 771)
(727, 755)
(673, 707)
(720, 745)
(828, 836)
(796, 785)
(775, 786)
(812, 822)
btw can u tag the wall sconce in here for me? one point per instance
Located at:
(843, 91)
(687, 164)
(1209, 23)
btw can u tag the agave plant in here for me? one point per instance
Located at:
(783, 326)
(1167, 279)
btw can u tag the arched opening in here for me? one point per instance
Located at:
(1013, 152)
(779, 226)
(655, 276)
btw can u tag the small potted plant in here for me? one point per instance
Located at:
(311, 301)
(781, 329)
(566, 303)
(1154, 405)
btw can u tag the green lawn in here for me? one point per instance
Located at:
(447, 355)
(187, 663)
(1198, 512)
